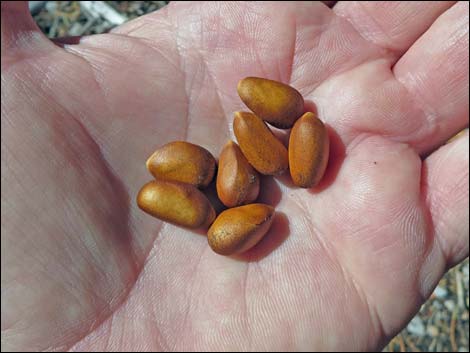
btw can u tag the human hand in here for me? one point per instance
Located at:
(346, 266)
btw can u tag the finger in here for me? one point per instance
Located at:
(393, 25)
(445, 182)
(435, 73)
(422, 102)
(18, 29)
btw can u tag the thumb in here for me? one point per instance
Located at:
(18, 29)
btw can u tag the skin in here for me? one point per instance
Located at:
(82, 268)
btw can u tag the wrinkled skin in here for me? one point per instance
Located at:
(345, 265)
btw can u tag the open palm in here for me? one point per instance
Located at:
(344, 265)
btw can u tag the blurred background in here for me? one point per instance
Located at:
(442, 323)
